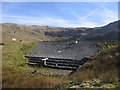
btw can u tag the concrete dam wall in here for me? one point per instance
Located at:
(65, 55)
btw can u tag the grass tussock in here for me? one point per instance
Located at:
(83, 75)
(13, 79)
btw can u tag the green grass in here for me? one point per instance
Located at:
(13, 54)
(109, 44)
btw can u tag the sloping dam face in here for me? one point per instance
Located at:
(66, 55)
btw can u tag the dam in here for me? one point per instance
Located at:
(63, 55)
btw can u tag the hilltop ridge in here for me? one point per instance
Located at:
(48, 33)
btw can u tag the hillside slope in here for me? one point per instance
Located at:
(46, 33)
(21, 32)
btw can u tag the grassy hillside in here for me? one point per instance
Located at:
(102, 71)
(21, 33)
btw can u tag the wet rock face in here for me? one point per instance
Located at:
(66, 50)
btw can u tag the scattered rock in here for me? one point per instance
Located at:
(75, 86)
(108, 86)
(14, 39)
